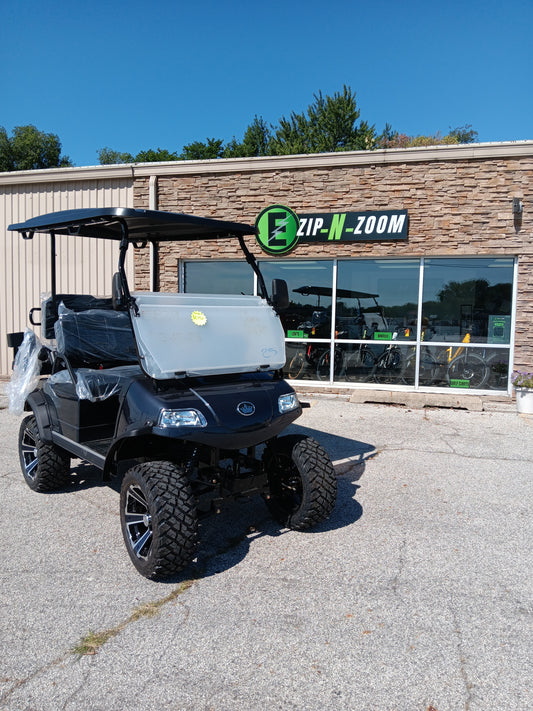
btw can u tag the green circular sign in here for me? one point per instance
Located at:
(277, 230)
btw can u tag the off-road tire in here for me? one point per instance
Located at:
(45, 466)
(302, 482)
(158, 518)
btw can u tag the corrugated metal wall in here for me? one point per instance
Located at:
(83, 265)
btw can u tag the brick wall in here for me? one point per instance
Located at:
(459, 207)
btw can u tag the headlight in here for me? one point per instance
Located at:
(181, 418)
(286, 403)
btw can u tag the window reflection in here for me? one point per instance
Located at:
(306, 361)
(218, 277)
(310, 288)
(377, 298)
(469, 298)
(467, 305)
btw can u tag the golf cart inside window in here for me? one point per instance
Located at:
(180, 395)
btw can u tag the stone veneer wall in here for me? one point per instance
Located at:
(458, 207)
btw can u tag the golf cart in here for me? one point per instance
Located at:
(180, 395)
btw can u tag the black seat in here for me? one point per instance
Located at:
(73, 302)
(98, 338)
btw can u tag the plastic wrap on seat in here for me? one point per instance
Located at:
(73, 302)
(26, 370)
(95, 337)
(98, 385)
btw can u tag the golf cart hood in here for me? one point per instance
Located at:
(238, 411)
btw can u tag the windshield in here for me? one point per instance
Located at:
(181, 335)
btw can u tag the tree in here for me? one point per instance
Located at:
(158, 156)
(464, 134)
(107, 156)
(30, 149)
(256, 141)
(329, 125)
(6, 157)
(203, 151)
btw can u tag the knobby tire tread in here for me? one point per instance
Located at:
(53, 468)
(318, 478)
(174, 519)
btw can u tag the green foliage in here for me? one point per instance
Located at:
(30, 149)
(6, 158)
(522, 379)
(464, 134)
(256, 141)
(203, 151)
(393, 139)
(328, 125)
(107, 156)
(159, 156)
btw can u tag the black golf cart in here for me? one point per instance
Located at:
(179, 394)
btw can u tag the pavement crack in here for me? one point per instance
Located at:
(94, 641)
(462, 660)
(26, 680)
(395, 582)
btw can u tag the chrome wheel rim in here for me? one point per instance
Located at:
(138, 522)
(28, 450)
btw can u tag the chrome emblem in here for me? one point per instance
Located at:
(245, 408)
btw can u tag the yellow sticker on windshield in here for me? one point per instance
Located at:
(198, 318)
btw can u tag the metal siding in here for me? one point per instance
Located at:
(83, 265)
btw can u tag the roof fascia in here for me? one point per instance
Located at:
(471, 151)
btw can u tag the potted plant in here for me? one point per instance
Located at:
(523, 385)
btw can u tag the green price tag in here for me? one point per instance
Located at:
(457, 383)
(382, 336)
(295, 334)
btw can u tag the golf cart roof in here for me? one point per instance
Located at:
(327, 291)
(136, 225)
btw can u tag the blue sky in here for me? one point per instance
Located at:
(136, 75)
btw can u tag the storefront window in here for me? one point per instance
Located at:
(376, 299)
(310, 289)
(468, 300)
(463, 339)
(218, 277)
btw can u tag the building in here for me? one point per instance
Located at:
(412, 270)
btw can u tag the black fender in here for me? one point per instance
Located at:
(36, 403)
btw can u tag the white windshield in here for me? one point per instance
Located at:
(205, 334)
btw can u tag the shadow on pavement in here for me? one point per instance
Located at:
(225, 537)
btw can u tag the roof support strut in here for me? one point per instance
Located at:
(124, 243)
(255, 266)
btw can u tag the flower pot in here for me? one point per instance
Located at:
(524, 400)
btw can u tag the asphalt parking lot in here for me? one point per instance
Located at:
(415, 595)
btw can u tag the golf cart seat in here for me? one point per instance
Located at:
(97, 338)
(51, 306)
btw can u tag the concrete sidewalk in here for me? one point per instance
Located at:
(415, 594)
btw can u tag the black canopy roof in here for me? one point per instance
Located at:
(154, 225)
(328, 291)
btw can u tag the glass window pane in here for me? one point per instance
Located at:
(305, 360)
(469, 299)
(459, 367)
(310, 287)
(377, 298)
(217, 277)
